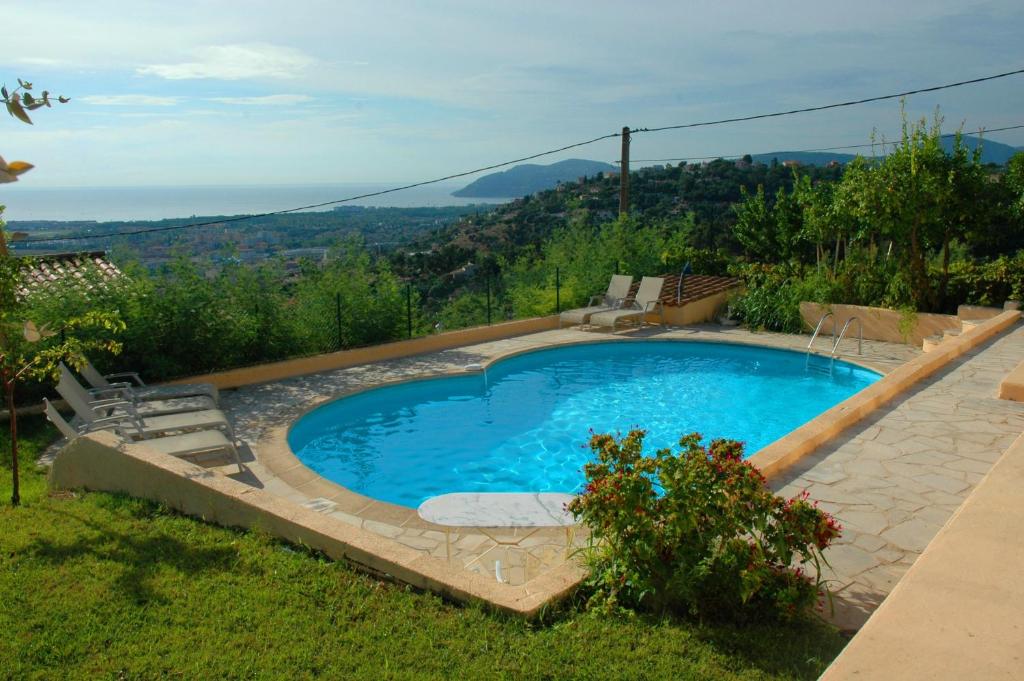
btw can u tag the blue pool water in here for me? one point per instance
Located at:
(524, 426)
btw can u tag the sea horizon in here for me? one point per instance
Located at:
(130, 203)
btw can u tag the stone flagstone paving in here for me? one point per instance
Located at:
(894, 479)
(256, 410)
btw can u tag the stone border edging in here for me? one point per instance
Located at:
(99, 461)
(1012, 386)
(278, 458)
(788, 450)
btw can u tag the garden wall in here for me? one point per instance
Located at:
(275, 371)
(100, 461)
(891, 326)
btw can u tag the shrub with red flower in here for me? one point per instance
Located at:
(697, 531)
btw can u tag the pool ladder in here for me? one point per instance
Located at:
(835, 341)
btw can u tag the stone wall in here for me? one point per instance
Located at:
(891, 326)
(100, 461)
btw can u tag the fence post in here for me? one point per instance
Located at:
(337, 316)
(408, 308)
(558, 291)
(488, 300)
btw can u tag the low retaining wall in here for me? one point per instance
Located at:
(703, 310)
(956, 614)
(99, 461)
(265, 373)
(891, 326)
(788, 450)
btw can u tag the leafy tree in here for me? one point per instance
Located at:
(28, 350)
(755, 227)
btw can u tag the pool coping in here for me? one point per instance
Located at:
(279, 459)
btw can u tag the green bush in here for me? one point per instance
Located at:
(698, 531)
(987, 283)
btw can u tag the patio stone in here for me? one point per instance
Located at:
(847, 559)
(866, 521)
(912, 535)
(826, 477)
(869, 542)
(943, 483)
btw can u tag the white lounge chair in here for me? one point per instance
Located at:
(154, 407)
(96, 413)
(614, 297)
(647, 300)
(138, 390)
(184, 445)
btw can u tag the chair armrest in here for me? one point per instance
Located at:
(109, 401)
(655, 303)
(104, 407)
(127, 374)
(116, 393)
(595, 300)
(123, 385)
(115, 423)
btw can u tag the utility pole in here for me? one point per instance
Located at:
(624, 173)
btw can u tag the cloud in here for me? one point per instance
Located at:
(235, 62)
(129, 100)
(41, 61)
(266, 100)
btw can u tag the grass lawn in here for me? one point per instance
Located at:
(95, 584)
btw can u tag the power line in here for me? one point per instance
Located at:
(241, 218)
(806, 151)
(495, 166)
(833, 106)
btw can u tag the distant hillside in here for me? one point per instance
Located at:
(531, 178)
(991, 152)
(804, 158)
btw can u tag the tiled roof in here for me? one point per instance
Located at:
(41, 271)
(695, 287)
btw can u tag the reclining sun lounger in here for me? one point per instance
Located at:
(614, 297)
(97, 413)
(647, 300)
(153, 407)
(138, 390)
(184, 445)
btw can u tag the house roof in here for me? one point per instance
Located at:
(695, 287)
(42, 271)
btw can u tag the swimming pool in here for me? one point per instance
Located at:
(523, 425)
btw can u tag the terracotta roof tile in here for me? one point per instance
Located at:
(695, 287)
(42, 271)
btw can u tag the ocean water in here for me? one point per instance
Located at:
(25, 202)
(523, 426)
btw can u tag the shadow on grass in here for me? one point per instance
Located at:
(800, 649)
(141, 557)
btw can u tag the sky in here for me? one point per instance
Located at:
(254, 92)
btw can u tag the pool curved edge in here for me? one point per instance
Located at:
(276, 454)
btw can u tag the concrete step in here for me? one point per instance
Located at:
(931, 342)
(967, 325)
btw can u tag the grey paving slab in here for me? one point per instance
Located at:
(898, 476)
(258, 409)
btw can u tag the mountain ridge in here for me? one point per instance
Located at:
(529, 178)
